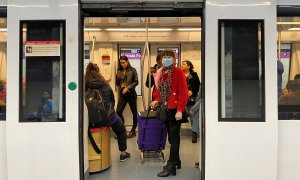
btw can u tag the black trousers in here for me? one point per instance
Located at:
(173, 128)
(118, 127)
(123, 100)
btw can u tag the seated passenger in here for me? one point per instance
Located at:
(285, 90)
(293, 96)
(94, 80)
(44, 110)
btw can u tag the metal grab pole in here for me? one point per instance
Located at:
(146, 48)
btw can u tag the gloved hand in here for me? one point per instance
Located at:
(153, 104)
(178, 115)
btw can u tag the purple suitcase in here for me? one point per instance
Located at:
(152, 134)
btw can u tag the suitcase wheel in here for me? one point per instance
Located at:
(142, 157)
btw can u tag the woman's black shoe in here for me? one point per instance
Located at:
(168, 169)
(177, 165)
(194, 138)
(131, 134)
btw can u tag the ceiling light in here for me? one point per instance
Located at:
(92, 29)
(160, 29)
(288, 22)
(125, 29)
(189, 29)
(294, 29)
(138, 29)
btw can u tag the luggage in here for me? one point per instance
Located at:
(152, 134)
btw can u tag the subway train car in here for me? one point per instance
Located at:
(246, 53)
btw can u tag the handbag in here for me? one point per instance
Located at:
(161, 112)
(192, 100)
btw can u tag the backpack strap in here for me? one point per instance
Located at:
(96, 148)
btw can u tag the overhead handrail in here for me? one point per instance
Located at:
(93, 48)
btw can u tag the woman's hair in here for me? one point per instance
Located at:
(167, 52)
(125, 58)
(158, 58)
(93, 72)
(189, 63)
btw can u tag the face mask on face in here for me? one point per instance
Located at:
(167, 61)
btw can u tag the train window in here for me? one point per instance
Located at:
(288, 71)
(3, 33)
(241, 71)
(42, 69)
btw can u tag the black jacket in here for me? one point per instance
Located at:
(108, 94)
(131, 78)
(193, 83)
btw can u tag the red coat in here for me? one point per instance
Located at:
(179, 90)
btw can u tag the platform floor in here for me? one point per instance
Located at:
(133, 169)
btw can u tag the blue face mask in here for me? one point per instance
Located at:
(167, 62)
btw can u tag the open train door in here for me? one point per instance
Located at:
(241, 118)
(43, 104)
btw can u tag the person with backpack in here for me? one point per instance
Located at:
(108, 117)
(127, 80)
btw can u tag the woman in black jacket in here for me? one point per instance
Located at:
(127, 80)
(193, 83)
(94, 80)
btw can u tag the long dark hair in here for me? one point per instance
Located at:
(189, 63)
(93, 72)
(126, 59)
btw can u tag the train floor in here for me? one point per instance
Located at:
(133, 169)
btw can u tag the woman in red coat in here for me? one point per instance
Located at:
(173, 92)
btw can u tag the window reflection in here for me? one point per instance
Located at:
(42, 72)
(289, 80)
(241, 71)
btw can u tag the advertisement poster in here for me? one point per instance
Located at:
(134, 56)
(42, 48)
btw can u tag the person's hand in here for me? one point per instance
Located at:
(124, 91)
(178, 115)
(119, 74)
(191, 113)
(190, 93)
(153, 104)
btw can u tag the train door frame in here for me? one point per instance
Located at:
(3, 151)
(288, 129)
(144, 9)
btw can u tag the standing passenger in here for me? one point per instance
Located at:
(279, 77)
(127, 80)
(193, 84)
(173, 92)
(153, 70)
(94, 80)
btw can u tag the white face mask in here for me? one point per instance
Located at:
(167, 61)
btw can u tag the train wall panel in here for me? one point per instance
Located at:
(3, 165)
(240, 150)
(45, 150)
(288, 151)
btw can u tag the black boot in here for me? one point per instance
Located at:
(194, 138)
(169, 169)
(177, 165)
